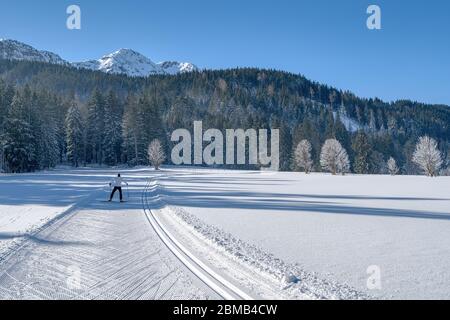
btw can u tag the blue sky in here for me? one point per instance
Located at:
(324, 40)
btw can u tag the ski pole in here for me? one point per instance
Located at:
(109, 194)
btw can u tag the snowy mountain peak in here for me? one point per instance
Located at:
(135, 64)
(123, 61)
(126, 54)
(132, 63)
(15, 50)
(174, 67)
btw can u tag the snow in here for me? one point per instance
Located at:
(96, 250)
(272, 235)
(28, 201)
(123, 61)
(334, 226)
(134, 64)
(257, 272)
(350, 124)
(174, 67)
(15, 50)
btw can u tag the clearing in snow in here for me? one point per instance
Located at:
(208, 234)
(337, 227)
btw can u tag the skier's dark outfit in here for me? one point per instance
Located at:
(114, 191)
(117, 184)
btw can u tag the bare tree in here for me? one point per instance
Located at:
(156, 154)
(334, 158)
(427, 156)
(302, 156)
(392, 166)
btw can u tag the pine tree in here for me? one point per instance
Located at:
(372, 122)
(362, 149)
(46, 129)
(112, 143)
(96, 128)
(32, 115)
(48, 155)
(154, 128)
(329, 123)
(135, 141)
(285, 144)
(74, 136)
(17, 139)
(6, 97)
(341, 134)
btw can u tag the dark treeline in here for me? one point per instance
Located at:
(53, 114)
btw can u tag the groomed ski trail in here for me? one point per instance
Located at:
(213, 280)
(98, 251)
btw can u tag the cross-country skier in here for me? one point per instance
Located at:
(117, 183)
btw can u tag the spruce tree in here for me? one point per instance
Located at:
(17, 139)
(74, 135)
(96, 128)
(46, 129)
(342, 135)
(134, 132)
(362, 150)
(112, 143)
(6, 96)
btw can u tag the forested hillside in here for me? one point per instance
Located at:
(52, 114)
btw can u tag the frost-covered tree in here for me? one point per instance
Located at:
(343, 163)
(427, 156)
(303, 156)
(74, 135)
(156, 154)
(392, 166)
(334, 158)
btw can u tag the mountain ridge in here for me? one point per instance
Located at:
(123, 61)
(16, 50)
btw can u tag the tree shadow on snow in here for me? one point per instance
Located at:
(233, 198)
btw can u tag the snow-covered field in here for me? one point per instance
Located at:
(332, 225)
(272, 235)
(28, 201)
(60, 239)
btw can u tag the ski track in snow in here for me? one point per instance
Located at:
(259, 272)
(334, 226)
(202, 271)
(111, 245)
(56, 222)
